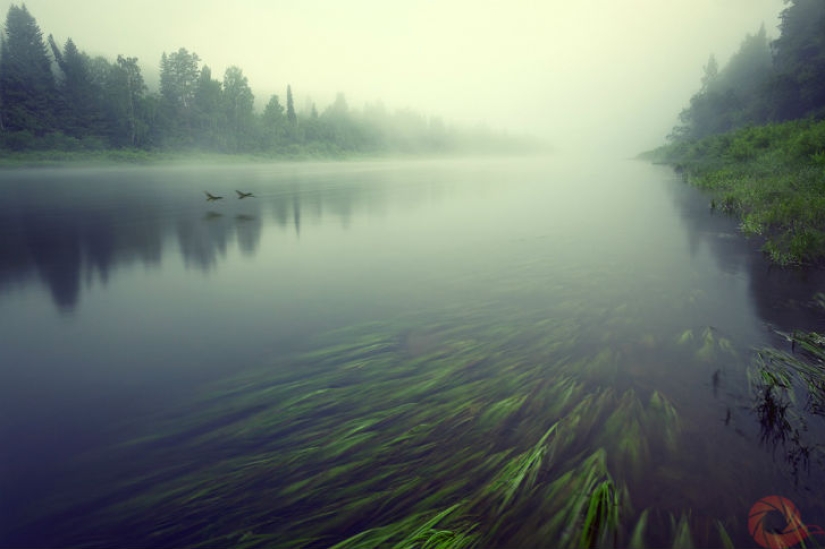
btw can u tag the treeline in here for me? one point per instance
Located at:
(754, 136)
(765, 81)
(55, 96)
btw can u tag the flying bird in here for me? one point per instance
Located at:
(245, 195)
(210, 197)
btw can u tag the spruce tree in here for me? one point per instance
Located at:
(80, 111)
(290, 107)
(27, 86)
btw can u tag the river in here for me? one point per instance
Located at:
(362, 343)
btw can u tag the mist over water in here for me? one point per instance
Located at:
(560, 350)
(123, 292)
(609, 76)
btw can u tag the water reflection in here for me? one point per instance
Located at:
(69, 228)
(248, 229)
(783, 396)
(782, 297)
(296, 213)
(63, 244)
(58, 229)
(563, 265)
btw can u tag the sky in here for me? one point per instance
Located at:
(582, 74)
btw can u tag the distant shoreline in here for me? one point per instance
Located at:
(115, 157)
(140, 157)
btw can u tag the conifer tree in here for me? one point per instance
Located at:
(27, 86)
(290, 107)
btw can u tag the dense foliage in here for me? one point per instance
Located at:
(764, 81)
(754, 136)
(57, 97)
(771, 177)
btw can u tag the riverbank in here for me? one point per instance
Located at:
(58, 158)
(771, 177)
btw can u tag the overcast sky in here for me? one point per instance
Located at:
(580, 73)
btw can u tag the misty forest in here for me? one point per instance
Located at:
(755, 134)
(279, 324)
(55, 97)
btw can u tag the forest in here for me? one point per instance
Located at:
(754, 136)
(55, 97)
(764, 81)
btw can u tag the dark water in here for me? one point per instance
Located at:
(123, 292)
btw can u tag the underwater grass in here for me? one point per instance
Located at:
(454, 434)
(788, 392)
(411, 534)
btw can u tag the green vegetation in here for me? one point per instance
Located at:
(58, 157)
(752, 135)
(772, 177)
(764, 82)
(459, 434)
(789, 393)
(57, 99)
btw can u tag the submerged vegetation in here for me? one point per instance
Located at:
(754, 138)
(460, 434)
(789, 391)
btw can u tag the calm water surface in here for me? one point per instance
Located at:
(124, 293)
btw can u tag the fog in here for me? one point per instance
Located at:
(606, 74)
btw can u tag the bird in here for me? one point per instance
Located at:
(211, 197)
(245, 195)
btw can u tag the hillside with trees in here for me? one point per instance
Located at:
(56, 97)
(754, 136)
(764, 81)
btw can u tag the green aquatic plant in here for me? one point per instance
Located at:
(574, 429)
(581, 505)
(603, 517)
(411, 533)
(788, 392)
(708, 350)
(637, 537)
(679, 533)
(522, 472)
(724, 537)
(663, 419)
(681, 536)
(685, 337)
(624, 435)
(712, 346)
(453, 434)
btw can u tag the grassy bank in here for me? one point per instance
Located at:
(27, 159)
(59, 158)
(771, 177)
